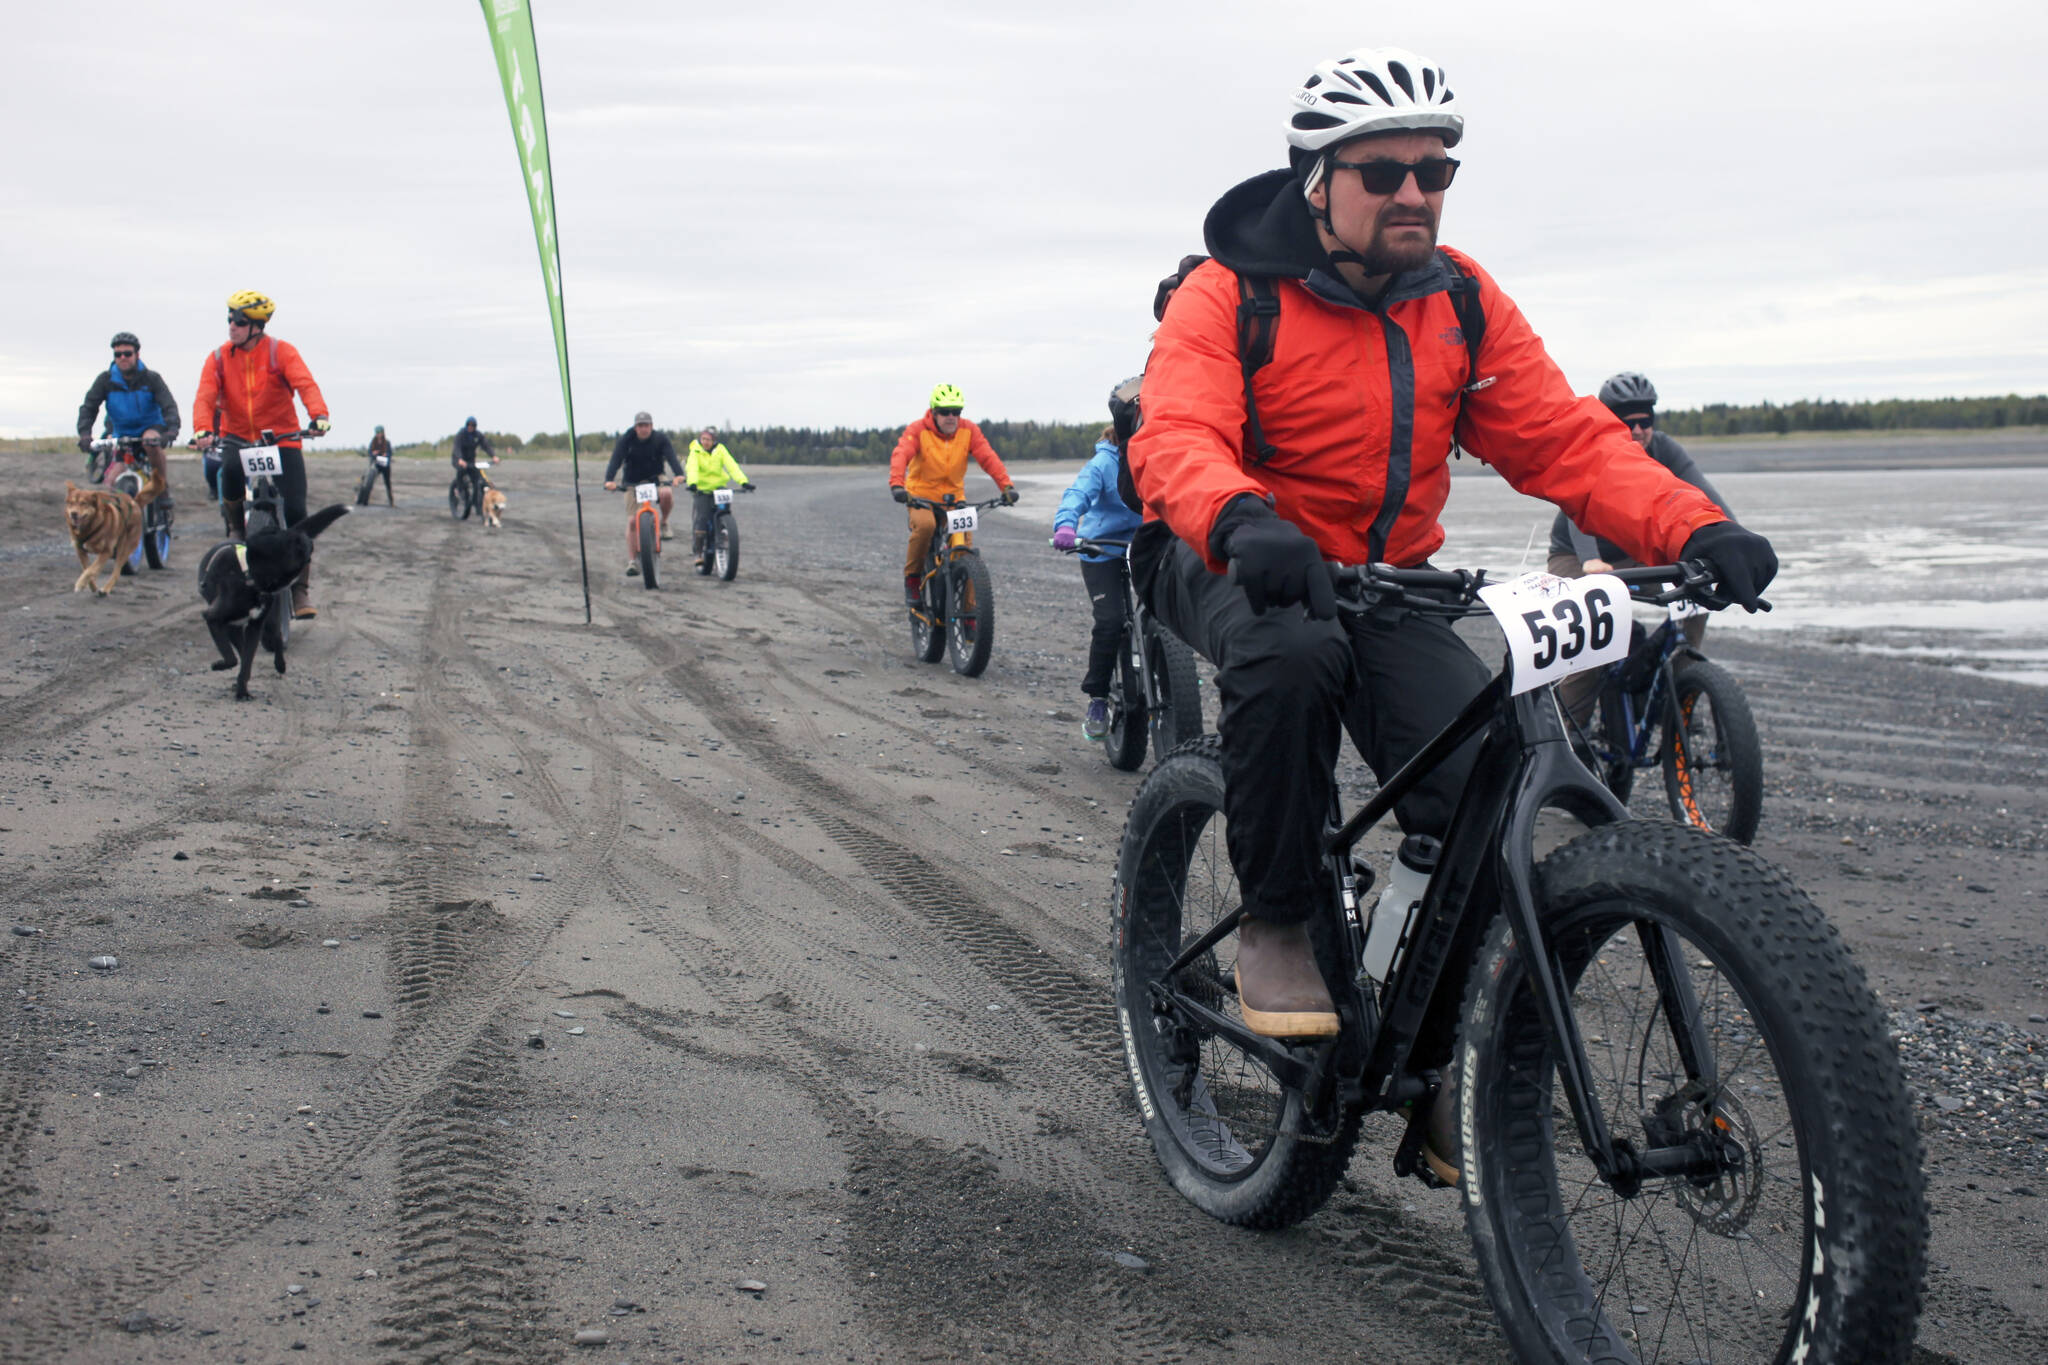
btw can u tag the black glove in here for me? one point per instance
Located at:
(1743, 561)
(899, 492)
(748, 488)
(85, 444)
(1010, 495)
(1277, 565)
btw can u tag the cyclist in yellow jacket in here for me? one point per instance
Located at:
(708, 468)
(930, 461)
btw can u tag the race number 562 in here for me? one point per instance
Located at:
(1559, 626)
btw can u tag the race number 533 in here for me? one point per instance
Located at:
(961, 519)
(1559, 626)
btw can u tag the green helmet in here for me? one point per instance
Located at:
(948, 396)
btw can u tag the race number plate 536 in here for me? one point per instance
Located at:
(722, 497)
(961, 519)
(647, 492)
(261, 461)
(1559, 626)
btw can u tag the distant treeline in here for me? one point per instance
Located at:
(1883, 414)
(1071, 442)
(1068, 442)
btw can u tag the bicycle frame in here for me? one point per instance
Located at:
(1640, 710)
(940, 557)
(1137, 619)
(1391, 1041)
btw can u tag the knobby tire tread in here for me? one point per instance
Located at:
(1738, 734)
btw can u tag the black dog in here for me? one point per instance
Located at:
(241, 587)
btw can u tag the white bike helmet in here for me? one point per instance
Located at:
(1372, 90)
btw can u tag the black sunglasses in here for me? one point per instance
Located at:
(1638, 420)
(945, 412)
(122, 355)
(1432, 174)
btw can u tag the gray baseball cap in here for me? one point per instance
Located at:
(640, 417)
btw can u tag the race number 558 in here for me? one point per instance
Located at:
(1559, 626)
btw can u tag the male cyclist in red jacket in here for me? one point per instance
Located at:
(1342, 455)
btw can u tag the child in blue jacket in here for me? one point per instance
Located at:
(1092, 504)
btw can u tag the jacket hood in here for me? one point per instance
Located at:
(1263, 227)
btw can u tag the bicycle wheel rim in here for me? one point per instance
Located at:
(1681, 1271)
(1224, 1110)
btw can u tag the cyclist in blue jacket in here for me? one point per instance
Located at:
(1093, 504)
(138, 403)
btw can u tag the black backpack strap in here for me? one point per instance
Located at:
(1464, 293)
(1258, 318)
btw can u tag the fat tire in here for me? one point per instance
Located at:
(1129, 726)
(725, 539)
(1824, 1039)
(1739, 746)
(928, 631)
(363, 489)
(1178, 718)
(970, 656)
(156, 538)
(457, 504)
(650, 549)
(1289, 1177)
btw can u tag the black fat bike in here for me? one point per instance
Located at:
(466, 490)
(956, 611)
(262, 467)
(720, 553)
(154, 549)
(1678, 1130)
(1157, 698)
(1669, 706)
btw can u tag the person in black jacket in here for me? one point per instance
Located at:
(380, 455)
(138, 403)
(468, 442)
(638, 458)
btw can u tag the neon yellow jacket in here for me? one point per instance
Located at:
(706, 471)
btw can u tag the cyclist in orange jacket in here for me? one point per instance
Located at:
(246, 388)
(930, 462)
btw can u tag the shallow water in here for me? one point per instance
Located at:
(1946, 565)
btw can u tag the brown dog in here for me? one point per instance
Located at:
(105, 529)
(494, 505)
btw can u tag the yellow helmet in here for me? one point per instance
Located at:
(246, 305)
(948, 396)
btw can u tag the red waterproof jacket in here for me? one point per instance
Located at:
(1362, 404)
(246, 393)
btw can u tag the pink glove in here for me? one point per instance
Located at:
(1063, 538)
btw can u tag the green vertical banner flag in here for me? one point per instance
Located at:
(511, 26)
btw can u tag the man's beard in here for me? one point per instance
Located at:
(1385, 258)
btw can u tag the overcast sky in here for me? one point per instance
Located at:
(809, 213)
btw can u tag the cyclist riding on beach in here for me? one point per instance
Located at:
(708, 468)
(463, 455)
(380, 457)
(1337, 448)
(638, 457)
(1092, 509)
(138, 403)
(246, 388)
(1573, 552)
(930, 462)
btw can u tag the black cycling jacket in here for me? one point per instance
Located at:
(1568, 539)
(642, 460)
(467, 443)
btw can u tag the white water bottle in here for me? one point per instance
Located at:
(1406, 881)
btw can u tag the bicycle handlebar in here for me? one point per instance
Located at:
(270, 438)
(1367, 585)
(1101, 547)
(929, 505)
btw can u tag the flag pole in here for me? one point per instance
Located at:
(512, 39)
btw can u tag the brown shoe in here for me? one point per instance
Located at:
(1279, 987)
(1440, 1142)
(302, 595)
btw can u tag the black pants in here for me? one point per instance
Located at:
(472, 484)
(1392, 680)
(234, 486)
(385, 470)
(1105, 582)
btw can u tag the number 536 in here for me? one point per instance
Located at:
(1593, 627)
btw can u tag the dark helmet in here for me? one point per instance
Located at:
(1123, 408)
(125, 339)
(1629, 392)
(1172, 282)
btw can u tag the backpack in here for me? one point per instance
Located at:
(1258, 316)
